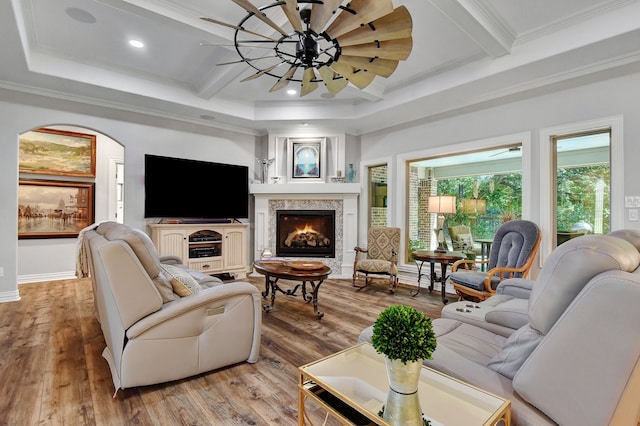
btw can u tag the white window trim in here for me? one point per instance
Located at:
(400, 202)
(615, 124)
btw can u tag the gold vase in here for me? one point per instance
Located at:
(402, 410)
(403, 405)
(403, 378)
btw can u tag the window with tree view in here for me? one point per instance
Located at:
(488, 189)
(583, 185)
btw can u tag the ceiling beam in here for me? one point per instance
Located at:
(484, 26)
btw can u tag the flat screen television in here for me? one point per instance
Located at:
(192, 189)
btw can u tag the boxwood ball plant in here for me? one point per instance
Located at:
(402, 333)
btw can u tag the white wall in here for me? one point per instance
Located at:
(22, 112)
(615, 97)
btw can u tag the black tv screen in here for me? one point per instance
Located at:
(181, 188)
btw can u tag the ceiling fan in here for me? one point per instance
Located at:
(316, 41)
(510, 149)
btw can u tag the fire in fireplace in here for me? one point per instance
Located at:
(305, 233)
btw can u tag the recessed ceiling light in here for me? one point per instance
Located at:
(291, 92)
(136, 43)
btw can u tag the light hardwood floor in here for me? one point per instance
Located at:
(52, 371)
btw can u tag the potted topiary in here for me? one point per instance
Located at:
(406, 338)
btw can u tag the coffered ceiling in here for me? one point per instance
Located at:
(466, 54)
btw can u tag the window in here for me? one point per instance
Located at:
(487, 184)
(549, 162)
(377, 195)
(582, 184)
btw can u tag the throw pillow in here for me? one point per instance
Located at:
(466, 241)
(183, 284)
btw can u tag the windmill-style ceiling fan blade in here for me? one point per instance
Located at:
(359, 78)
(236, 27)
(322, 12)
(246, 60)
(391, 49)
(290, 8)
(249, 7)
(366, 11)
(260, 73)
(332, 81)
(284, 80)
(381, 67)
(396, 25)
(308, 85)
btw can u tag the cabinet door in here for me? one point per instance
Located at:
(172, 243)
(234, 248)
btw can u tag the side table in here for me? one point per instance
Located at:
(444, 259)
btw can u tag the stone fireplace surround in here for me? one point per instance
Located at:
(341, 197)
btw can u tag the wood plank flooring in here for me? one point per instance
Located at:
(52, 371)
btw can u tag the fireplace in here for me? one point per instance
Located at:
(305, 233)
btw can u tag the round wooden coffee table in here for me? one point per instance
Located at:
(312, 272)
(444, 259)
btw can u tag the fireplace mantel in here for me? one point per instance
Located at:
(343, 197)
(304, 188)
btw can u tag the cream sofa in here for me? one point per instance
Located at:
(577, 359)
(153, 334)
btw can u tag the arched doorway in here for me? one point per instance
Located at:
(63, 200)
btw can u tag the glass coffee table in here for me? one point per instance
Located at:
(352, 386)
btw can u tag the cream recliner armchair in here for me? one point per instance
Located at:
(153, 335)
(577, 360)
(507, 310)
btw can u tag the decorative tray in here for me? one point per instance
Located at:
(307, 265)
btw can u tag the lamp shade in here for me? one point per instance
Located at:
(442, 204)
(472, 206)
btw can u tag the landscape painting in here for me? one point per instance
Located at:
(54, 209)
(57, 152)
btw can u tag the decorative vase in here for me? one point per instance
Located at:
(403, 410)
(403, 378)
(351, 174)
(403, 405)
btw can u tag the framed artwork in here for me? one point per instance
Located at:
(306, 160)
(57, 152)
(54, 209)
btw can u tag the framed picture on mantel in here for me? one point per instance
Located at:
(306, 159)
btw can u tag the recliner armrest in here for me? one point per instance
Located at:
(220, 295)
(516, 287)
(171, 260)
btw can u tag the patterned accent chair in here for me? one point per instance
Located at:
(514, 247)
(379, 258)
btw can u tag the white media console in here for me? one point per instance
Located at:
(211, 248)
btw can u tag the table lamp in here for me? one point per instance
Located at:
(441, 204)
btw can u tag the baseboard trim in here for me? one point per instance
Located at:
(36, 278)
(9, 296)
